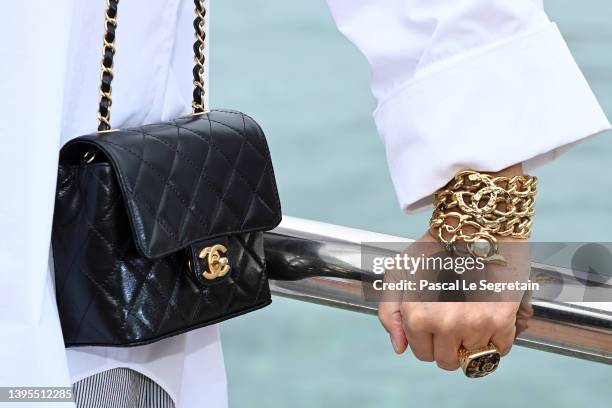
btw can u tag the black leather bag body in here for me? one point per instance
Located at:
(159, 229)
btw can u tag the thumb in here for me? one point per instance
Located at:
(391, 318)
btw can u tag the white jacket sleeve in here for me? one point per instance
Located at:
(33, 53)
(461, 84)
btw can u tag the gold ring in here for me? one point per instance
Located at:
(479, 363)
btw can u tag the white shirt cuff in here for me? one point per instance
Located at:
(519, 100)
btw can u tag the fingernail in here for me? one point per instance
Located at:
(395, 345)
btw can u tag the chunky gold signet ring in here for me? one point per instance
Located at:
(479, 363)
(218, 265)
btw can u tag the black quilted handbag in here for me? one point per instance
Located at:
(158, 230)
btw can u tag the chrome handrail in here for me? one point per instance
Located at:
(321, 263)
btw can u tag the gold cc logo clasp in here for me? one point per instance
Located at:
(218, 265)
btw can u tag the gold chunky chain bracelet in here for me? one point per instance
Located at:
(475, 208)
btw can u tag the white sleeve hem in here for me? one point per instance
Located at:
(520, 100)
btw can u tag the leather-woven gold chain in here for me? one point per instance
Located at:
(106, 74)
(476, 208)
(199, 92)
(108, 55)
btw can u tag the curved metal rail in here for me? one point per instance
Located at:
(321, 263)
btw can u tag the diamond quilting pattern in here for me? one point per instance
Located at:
(123, 227)
(190, 178)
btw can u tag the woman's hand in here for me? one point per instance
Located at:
(436, 330)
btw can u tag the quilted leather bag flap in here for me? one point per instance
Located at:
(188, 180)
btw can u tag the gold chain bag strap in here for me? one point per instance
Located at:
(108, 55)
(158, 229)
